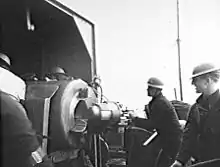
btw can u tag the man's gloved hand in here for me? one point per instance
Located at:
(176, 164)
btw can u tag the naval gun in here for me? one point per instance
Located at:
(68, 118)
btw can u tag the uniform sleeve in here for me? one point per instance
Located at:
(20, 131)
(144, 123)
(189, 136)
(155, 118)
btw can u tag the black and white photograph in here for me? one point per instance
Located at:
(110, 83)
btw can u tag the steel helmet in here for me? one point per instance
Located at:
(203, 69)
(5, 59)
(57, 70)
(155, 82)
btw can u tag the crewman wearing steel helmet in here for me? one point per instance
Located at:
(203, 124)
(163, 118)
(57, 70)
(57, 73)
(18, 88)
(20, 145)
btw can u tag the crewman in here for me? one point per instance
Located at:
(201, 138)
(10, 83)
(57, 73)
(163, 118)
(20, 146)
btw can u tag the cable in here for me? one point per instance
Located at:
(97, 92)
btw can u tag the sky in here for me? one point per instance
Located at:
(136, 40)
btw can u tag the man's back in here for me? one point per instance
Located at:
(164, 115)
(18, 137)
(166, 123)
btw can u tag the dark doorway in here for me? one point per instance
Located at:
(55, 39)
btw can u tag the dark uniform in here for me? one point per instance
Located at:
(164, 119)
(202, 131)
(18, 137)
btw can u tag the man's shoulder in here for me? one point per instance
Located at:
(194, 111)
(163, 100)
(5, 98)
(10, 105)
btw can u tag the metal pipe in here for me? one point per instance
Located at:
(175, 94)
(95, 149)
(179, 59)
(94, 66)
(100, 150)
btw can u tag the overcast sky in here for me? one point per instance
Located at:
(136, 39)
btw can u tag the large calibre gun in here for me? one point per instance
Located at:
(66, 115)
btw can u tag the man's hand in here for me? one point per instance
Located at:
(176, 164)
(132, 114)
